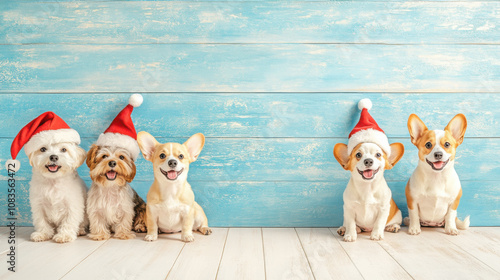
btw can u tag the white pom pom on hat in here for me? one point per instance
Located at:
(365, 103)
(135, 100)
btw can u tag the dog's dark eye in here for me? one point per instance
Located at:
(358, 155)
(162, 156)
(122, 157)
(447, 144)
(43, 149)
(63, 150)
(181, 156)
(104, 156)
(428, 145)
(378, 155)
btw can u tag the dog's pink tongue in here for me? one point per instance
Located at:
(111, 175)
(438, 164)
(172, 174)
(368, 173)
(53, 168)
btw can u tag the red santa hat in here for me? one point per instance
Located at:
(121, 132)
(367, 130)
(46, 129)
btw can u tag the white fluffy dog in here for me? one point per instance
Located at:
(57, 193)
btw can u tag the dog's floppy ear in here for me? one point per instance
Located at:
(131, 175)
(457, 127)
(147, 144)
(91, 155)
(80, 156)
(416, 127)
(340, 153)
(194, 145)
(397, 152)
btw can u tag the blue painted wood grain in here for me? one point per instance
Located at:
(242, 22)
(250, 68)
(261, 115)
(273, 85)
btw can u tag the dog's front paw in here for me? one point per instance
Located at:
(151, 237)
(40, 236)
(124, 235)
(392, 228)
(350, 237)
(341, 231)
(451, 231)
(82, 231)
(205, 230)
(140, 228)
(64, 238)
(187, 237)
(377, 236)
(99, 236)
(414, 230)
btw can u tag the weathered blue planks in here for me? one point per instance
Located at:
(298, 115)
(298, 204)
(296, 159)
(250, 68)
(254, 22)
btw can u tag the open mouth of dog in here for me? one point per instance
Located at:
(171, 174)
(53, 168)
(111, 175)
(437, 165)
(368, 174)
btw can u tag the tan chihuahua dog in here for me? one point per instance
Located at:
(170, 200)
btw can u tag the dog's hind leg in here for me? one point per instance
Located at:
(140, 214)
(201, 221)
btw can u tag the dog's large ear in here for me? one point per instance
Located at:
(397, 152)
(194, 146)
(147, 144)
(340, 153)
(416, 127)
(91, 155)
(80, 156)
(457, 127)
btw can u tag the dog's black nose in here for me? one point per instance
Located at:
(172, 163)
(438, 155)
(368, 162)
(112, 163)
(54, 158)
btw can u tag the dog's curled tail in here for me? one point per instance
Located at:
(406, 221)
(463, 224)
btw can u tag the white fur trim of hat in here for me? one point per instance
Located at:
(369, 136)
(119, 140)
(47, 137)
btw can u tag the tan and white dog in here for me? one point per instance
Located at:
(434, 190)
(170, 201)
(368, 203)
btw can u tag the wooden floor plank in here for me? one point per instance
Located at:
(22, 235)
(201, 258)
(243, 256)
(481, 242)
(371, 259)
(431, 256)
(130, 259)
(48, 259)
(284, 255)
(327, 258)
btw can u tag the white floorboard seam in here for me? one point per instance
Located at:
(97, 248)
(173, 264)
(396, 259)
(222, 254)
(263, 252)
(333, 231)
(305, 254)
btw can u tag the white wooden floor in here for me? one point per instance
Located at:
(267, 253)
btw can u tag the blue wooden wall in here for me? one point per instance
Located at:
(272, 85)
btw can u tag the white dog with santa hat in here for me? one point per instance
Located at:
(57, 193)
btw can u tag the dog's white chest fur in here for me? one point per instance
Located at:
(434, 192)
(110, 203)
(170, 212)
